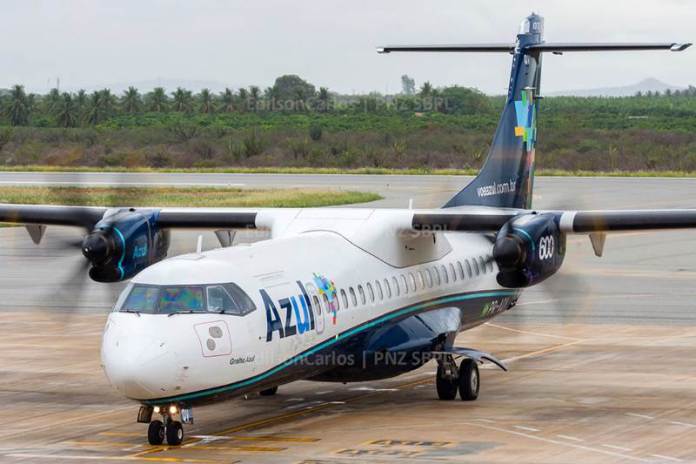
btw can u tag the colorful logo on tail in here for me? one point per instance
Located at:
(525, 110)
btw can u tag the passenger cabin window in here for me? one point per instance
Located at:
(453, 273)
(325, 300)
(429, 278)
(218, 298)
(437, 276)
(476, 268)
(412, 279)
(443, 271)
(482, 260)
(387, 288)
(404, 284)
(380, 293)
(397, 290)
(353, 298)
(315, 301)
(468, 269)
(370, 292)
(344, 298)
(362, 294)
(461, 270)
(420, 280)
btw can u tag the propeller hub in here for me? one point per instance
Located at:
(96, 248)
(508, 252)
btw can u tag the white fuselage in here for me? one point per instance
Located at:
(351, 272)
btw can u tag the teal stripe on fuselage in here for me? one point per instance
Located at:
(420, 307)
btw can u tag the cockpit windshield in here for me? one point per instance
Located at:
(163, 299)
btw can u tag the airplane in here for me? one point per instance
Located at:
(335, 294)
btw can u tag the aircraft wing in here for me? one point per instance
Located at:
(579, 222)
(451, 219)
(167, 218)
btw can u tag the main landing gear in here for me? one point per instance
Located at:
(450, 379)
(169, 427)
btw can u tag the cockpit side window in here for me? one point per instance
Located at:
(221, 301)
(245, 304)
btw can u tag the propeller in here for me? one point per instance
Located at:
(93, 246)
(564, 297)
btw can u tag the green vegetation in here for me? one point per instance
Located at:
(292, 125)
(168, 196)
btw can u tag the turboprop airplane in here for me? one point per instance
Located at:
(340, 295)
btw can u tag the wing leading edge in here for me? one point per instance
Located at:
(579, 222)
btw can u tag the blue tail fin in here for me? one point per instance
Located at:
(507, 177)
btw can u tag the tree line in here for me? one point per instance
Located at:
(289, 94)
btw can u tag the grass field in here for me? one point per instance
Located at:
(181, 197)
(367, 171)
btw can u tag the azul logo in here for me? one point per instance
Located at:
(299, 306)
(327, 288)
(140, 251)
(525, 111)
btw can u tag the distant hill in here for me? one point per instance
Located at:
(646, 85)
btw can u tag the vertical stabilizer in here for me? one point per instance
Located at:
(507, 177)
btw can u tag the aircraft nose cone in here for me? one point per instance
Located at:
(136, 366)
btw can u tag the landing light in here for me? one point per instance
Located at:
(173, 409)
(156, 409)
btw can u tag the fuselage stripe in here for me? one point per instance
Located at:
(333, 340)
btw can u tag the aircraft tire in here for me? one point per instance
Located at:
(446, 386)
(469, 380)
(175, 433)
(155, 433)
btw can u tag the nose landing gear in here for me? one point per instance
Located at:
(169, 428)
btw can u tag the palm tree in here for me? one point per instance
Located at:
(109, 102)
(66, 111)
(227, 101)
(157, 100)
(324, 99)
(19, 107)
(52, 100)
(243, 97)
(182, 99)
(254, 95)
(207, 103)
(100, 106)
(81, 100)
(426, 89)
(131, 101)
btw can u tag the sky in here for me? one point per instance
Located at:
(331, 43)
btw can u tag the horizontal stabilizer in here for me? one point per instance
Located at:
(491, 47)
(560, 47)
(554, 47)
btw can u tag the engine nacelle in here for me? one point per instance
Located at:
(124, 243)
(528, 249)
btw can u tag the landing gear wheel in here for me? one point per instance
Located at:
(175, 433)
(155, 432)
(269, 391)
(468, 380)
(446, 384)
